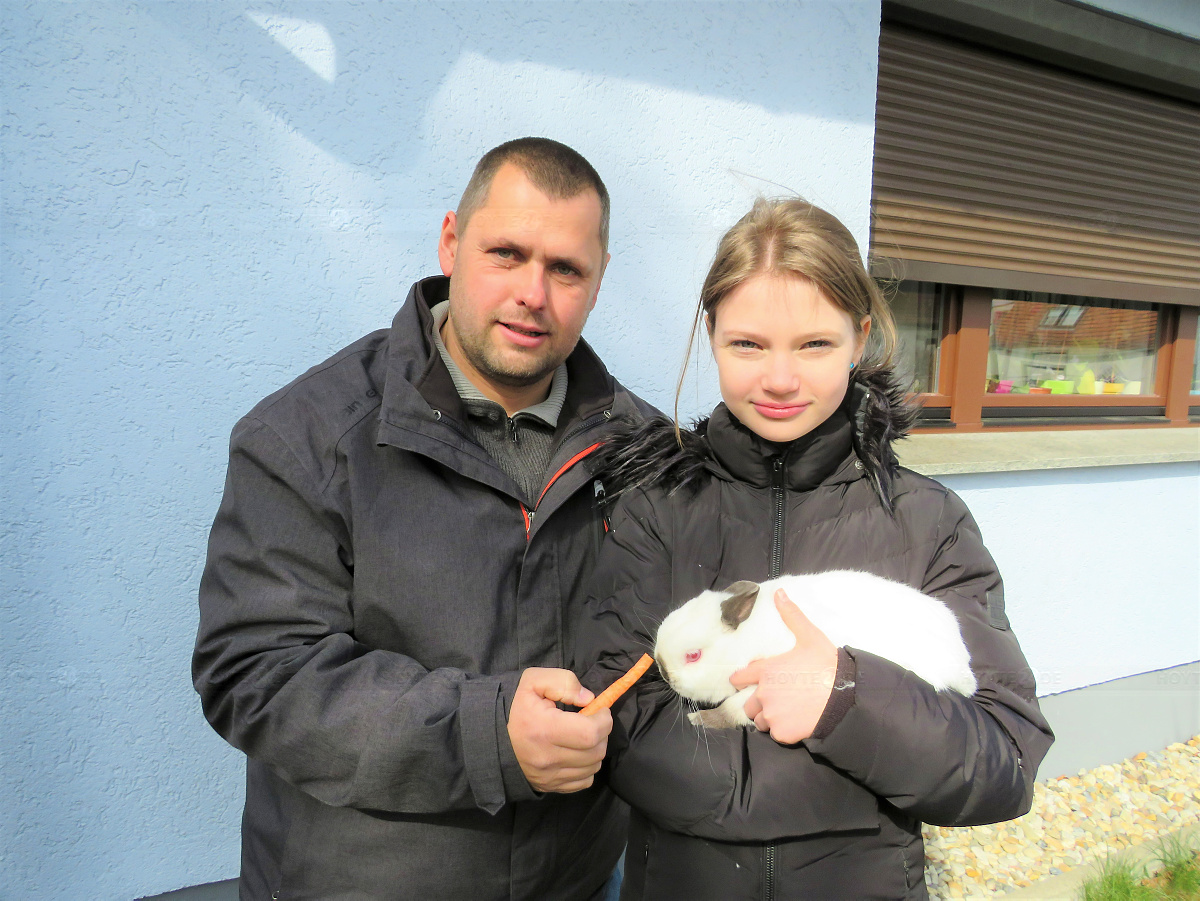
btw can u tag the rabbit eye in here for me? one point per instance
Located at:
(691, 656)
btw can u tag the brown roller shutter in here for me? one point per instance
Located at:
(992, 170)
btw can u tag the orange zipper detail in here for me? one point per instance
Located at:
(554, 478)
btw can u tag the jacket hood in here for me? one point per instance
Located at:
(875, 413)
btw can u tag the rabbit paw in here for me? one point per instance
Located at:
(716, 718)
(730, 715)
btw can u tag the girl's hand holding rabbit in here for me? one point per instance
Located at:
(793, 687)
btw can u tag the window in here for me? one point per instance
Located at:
(1196, 368)
(1059, 344)
(982, 357)
(1039, 232)
(918, 309)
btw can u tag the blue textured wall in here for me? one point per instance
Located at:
(202, 199)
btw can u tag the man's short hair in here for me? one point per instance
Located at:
(553, 168)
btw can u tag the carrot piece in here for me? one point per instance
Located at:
(609, 696)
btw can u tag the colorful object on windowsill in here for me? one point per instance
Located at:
(1059, 386)
(1038, 389)
(1003, 386)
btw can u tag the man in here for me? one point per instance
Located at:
(398, 563)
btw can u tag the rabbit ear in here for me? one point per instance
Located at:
(736, 607)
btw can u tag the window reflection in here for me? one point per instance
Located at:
(1064, 344)
(1196, 371)
(917, 308)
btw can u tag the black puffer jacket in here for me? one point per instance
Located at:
(731, 814)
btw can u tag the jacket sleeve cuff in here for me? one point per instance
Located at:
(516, 786)
(484, 734)
(841, 699)
(856, 746)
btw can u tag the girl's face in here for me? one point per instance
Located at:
(783, 354)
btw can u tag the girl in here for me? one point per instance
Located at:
(794, 473)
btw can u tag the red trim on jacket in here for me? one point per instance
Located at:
(554, 478)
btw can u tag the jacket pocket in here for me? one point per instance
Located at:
(637, 856)
(667, 864)
(912, 858)
(291, 861)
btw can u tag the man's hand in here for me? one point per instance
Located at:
(794, 687)
(558, 751)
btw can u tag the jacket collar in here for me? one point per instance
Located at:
(804, 463)
(419, 385)
(855, 441)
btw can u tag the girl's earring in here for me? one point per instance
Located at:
(851, 367)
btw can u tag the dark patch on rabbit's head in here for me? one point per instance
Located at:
(736, 607)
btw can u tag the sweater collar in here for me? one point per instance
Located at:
(479, 404)
(413, 362)
(807, 462)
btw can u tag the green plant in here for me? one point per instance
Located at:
(1119, 880)
(1176, 878)
(1179, 873)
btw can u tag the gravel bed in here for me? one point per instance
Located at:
(1074, 821)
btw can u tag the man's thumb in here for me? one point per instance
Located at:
(558, 685)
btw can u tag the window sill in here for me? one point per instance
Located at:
(934, 454)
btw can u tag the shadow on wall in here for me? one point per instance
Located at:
(317, 66)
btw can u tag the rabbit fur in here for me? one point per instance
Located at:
(702, 643)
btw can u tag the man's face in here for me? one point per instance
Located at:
(524, 274)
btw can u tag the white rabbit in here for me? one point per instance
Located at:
(702, 643)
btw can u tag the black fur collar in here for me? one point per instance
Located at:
(646, 454)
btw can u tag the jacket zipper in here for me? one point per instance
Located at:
(588, 423)
(769, 873)
(778, 492)
(779, 496)
(526, 513)
(511, 430)
(529, 514)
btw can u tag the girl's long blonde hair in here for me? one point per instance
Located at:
(791, 237)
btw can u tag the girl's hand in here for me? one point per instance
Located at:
(794, 687)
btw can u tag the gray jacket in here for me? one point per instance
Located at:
(374, 586)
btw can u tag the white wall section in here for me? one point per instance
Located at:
(1101, 566)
